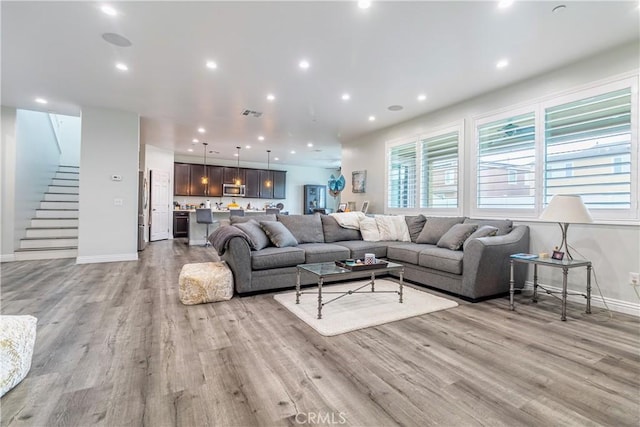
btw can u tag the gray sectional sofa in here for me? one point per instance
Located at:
(479, 269)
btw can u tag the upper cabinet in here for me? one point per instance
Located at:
(188, 181)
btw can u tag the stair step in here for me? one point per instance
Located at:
(67, 175)
(65, 182)
(45, 232)
(57, 213)
(49, 253)
(66, 189)
(61, 197)
(59, 205)
(54, 222)
(48, 242)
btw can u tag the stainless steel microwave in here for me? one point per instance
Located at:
(233, 190)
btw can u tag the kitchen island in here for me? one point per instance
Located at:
(197, 231)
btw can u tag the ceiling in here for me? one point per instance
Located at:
(385, 55)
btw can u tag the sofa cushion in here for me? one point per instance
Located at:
(406, 252)
(323, 252)
(483, 231)
(333, 232)
(415, 224)
(392, 228)
(279, 235)
(305, 228)
(258, 218)
(369, 229)
(435, 228)
(259, 240)
(504, 226)
(441, 259)
(276, 258)
(360, 247)
(456, 236)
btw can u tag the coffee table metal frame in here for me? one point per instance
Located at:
(329, 269)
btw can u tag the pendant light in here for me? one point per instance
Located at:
(267, 183)
(238, 181)
(205, 178)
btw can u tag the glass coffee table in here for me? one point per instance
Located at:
(323, 270)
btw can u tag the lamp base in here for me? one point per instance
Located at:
(564, 246)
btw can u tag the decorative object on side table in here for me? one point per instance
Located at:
(566, 209)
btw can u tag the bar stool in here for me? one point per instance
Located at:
(272, 211)
(205, 216)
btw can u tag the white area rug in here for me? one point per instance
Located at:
(358, 311)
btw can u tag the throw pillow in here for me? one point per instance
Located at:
(415, 224)
(392, 228)
(369, 229)
(456, 236)
(484, 231)
(305, 228)
(259, 240)
(279, 235)
(435, 228)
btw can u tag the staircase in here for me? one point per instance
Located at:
(53, 233)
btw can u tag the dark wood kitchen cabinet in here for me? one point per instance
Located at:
(252, 183)
(196, 187)
(231, 174)
(215, 181)
(181, 179)
(266, 184)
(279, 184)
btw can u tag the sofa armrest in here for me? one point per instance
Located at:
(238, 258)
(486, 263)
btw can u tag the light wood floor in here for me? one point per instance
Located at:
(115, 347)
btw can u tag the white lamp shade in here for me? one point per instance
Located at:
(566, 208)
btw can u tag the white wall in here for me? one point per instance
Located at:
(297, 177)
(110, 146)
(69, 128)
(8, 167)
(37, 159)
(158, 159)
(614, 249)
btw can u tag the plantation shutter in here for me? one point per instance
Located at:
(402, 170)
(506, 163)
(588, 150)
(439, 180)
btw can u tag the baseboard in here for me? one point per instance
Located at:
(619, 306)
(106, 258)
(7, 258)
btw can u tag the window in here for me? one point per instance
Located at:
(439, 181)
(402, 173)
(583, 138)
(423, 172)
(506, 160)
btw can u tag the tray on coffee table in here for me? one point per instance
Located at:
(360, 267)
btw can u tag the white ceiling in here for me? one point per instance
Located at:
(381, 56)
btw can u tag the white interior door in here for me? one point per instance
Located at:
(159, 205)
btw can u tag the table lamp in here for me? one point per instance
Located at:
(566, 209)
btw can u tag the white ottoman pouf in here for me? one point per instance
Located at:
(205, 282)
(17, 338)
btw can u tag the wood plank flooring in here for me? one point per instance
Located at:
(115, 347)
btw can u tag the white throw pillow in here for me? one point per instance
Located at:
(369, 229)
(393, 227)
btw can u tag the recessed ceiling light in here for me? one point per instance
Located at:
(271, 97)
(346, 97)
(304, 64)
(293, 151)
(276, 158)
(212, 65)
(190, 150)
(201, 130)
(261, 138)
(236, 155)
(395, 107)
(372, 118)
(422, 97)
(503, 4)
(364, 4)
(122, 67)
(41, 101)
(108, 10)
(502, 63)
(309, 144)
(195, 140)
(247, 146)
(559, 8)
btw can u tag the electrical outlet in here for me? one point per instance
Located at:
(634, 279)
